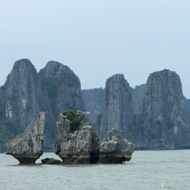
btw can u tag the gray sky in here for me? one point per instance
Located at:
(98, 38)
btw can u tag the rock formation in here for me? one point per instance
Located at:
(152, 116)
(164, 123)
(26, 93)
(75, 140)
(63, 87)
(51, 161)
(94, 100)
(187, 106)
(28, 146)
(118, 106)
(78, 144)
(138, 94)
(114, 149)
(63, 91)
(20, 99)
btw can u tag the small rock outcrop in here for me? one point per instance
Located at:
(114, 149)
(51, 161)
(28, 146)
(118, 111)
(75, 140)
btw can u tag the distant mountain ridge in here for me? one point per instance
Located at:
(159, 117)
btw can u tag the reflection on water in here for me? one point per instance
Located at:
(147, 170)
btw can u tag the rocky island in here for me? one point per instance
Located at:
(75, 139)
(28, 146)
(76, 142)
(114, 149)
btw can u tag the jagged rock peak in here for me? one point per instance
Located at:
(28, 146)
(162, 72)
(56, 69)
(23, 64)
(23, 69)
(166, 86)
(116, 77)
(165, 78)
(62, 84)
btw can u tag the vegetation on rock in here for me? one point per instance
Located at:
(13, 140)
(93, 133)
(72, 116)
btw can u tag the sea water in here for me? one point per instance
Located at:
(148, 170)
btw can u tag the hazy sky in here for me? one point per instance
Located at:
(98, 38)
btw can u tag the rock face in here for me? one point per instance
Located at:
(118, 111)
(94, 100)
(138, 94)
(187, 106)
(19, 99)
(26, 93)
(160, 120)
(164, 123)
(63, 87)
(63, 91)
(76, 144)
(114, 149)
(28, 147)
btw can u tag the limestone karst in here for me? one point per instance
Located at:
(28, 146)
(115, 149)
(118, 109)
(155, 115)
(152, 116)
(76, 142)
(165, 121)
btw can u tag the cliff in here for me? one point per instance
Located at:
(164, 123)
(118, 111)
(187, 106)
(160, 121)
(63, 91)
(94, 100)
(138, 94)
(63, 87)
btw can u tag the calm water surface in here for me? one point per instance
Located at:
(148, 170)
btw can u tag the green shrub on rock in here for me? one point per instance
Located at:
(72, 116)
